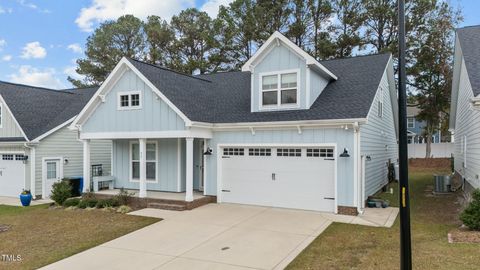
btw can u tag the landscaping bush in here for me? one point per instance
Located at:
(471, 215)
(111, 202)
(71, 202)
(84, 203)
(61, 191)
(124, 197)
(124, 209)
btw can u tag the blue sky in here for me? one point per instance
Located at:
(40, 40)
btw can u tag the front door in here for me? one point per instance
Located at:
(51, 174)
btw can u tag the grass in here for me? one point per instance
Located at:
(346, 246)
(42, 236)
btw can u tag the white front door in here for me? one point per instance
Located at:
(51, 173)
(12, 174)
(290, 177)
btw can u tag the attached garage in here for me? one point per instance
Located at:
(299, 177)
(12, 174)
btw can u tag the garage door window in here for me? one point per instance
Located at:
(233, 151)
(7, 157)
(289, 152)
(260, 152)
(319, 152)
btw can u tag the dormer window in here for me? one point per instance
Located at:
(279, 89)
(129, 100)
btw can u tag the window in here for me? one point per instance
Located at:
(7, 157)
(289, 152)
(319, 152)
(260, 152)
(151, 159)
(380, 103)
(129, 100)
(410, 122)
(19, 157)
(279, 90)
(233, 151)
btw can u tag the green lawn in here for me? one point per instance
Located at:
(345, 246)
(41, 235)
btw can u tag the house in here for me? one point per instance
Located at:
(465, 105)
(416, 128)
(36, 146)
(285, 131)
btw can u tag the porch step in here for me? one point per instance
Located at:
(167, 206)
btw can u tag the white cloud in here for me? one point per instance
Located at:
(6, 58)
(71, 72)
(102, 10)
(5, 10)
(3, 43)
(212, 6)
(75, 47)
(33, 6)
(36, 77)
(33, 50)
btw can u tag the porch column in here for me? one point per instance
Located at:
(189, 170)
(86, 166)
(143, 168)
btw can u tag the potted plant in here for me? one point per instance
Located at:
(25, 197)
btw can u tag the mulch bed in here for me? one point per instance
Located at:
(463, 235)
(4, 228)
(429, 162)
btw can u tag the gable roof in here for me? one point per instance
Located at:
(469, 38)
(38, 110)
(277, 38)
(225, 97)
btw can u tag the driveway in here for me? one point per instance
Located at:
(15, 201)
(215, 236)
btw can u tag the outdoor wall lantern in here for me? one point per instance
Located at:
(208, 152)
(345, 153)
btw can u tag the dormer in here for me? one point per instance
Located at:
(285, 77)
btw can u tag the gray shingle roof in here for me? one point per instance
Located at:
(38, 110)
(469, 38)
(225, 97)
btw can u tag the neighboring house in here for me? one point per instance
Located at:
(416, 128)
(465, 106)
(36, 146)
(287, 131)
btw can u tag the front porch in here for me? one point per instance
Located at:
(162, 200)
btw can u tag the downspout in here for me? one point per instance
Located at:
(32, 169)
(357, 168)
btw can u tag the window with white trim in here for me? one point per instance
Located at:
(319, 152)
(129, 100)
(410, 122)
(279, 90)
(233, 151)
(7, 157)
(289, 152)
(263, 152)
(380, 103)
(151, 157)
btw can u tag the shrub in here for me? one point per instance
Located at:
(471, 215)
(82, 204)
(90, 203)
(111, 202)
(124, 197)
(61, 191)
(124, 209)
(71, 202)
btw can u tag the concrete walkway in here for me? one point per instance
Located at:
(12, 201)
(216, 236)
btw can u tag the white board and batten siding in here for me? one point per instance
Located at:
(9, 127)
(64, 143)
(378, 140)
(467, 132)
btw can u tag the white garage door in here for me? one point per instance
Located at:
(290, 177)
(12, 174)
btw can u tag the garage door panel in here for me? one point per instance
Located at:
(282, 181)
(12, 175)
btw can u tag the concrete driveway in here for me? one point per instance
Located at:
(215, 236)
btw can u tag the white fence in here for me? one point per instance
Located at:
(439, 150)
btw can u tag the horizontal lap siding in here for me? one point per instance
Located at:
(343, 138)
(64, 143)
(378, 140)
(467, 124)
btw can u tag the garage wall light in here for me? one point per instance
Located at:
(208, 152)
(345, 153)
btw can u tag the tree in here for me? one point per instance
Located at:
(195, 40)
(160, 41)
(432, 70)
(106, 47)
(320, 14)
(381, 23)
(271, 16)
(350, 19)
(298, 29)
